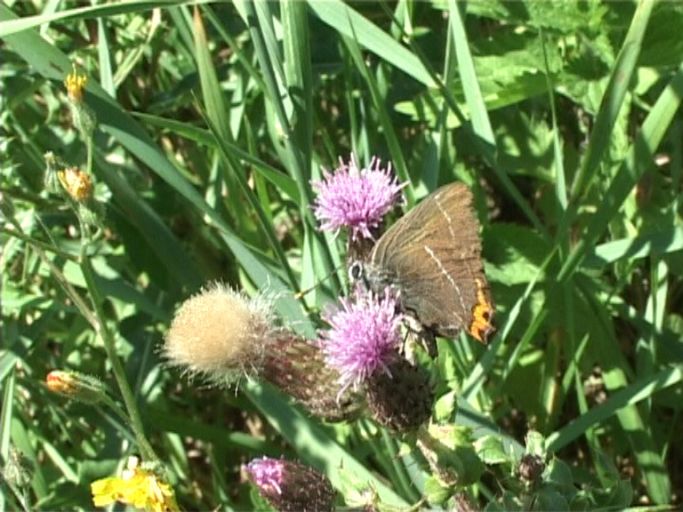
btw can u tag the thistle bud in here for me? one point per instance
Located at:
(297, 366)
(531, 468)
(291, 486)
(76, 385)
(400, 398)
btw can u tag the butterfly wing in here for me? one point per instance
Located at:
(433, 256)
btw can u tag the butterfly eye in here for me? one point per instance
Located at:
(356, 271)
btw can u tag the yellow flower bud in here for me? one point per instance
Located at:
(76, 385)
(75, 84)
(76, 183)
(60, 382)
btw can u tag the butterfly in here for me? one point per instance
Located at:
(431, 259)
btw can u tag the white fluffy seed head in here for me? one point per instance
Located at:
(220, 333)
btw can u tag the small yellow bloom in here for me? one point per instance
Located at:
(76, 183)
(75, 84)
(137, 487)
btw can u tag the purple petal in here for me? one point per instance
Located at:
(364, 336)
(355, 198)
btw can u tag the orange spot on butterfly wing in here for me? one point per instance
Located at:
(481, 327)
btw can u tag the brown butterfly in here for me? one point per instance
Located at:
(432, 258)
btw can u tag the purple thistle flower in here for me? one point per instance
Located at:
(290, 486)
(364, 337)
(267, 474)
(355, 198)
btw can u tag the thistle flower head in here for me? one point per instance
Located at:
(364, 337)
(220, 333)
(267, 474)
(356, 198)
(290, 486)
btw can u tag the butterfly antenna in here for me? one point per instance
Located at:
(305, 292)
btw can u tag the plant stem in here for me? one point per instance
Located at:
(117, 367)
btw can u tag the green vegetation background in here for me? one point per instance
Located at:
(562, 117)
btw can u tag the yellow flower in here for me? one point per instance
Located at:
(75, 84)
(76, 183)
(137, 487)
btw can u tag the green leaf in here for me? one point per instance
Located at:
(435, 492)
(550, 499)
(491, 450)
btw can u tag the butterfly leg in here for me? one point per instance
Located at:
(428, 342)
(423, 335)
(407, 349)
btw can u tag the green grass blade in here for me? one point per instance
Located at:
(613, 99)
(638, 160)
(280, 100)
(267, 227)
(647, 244)
(214, 103)
(8, 387)
(481, 124)
(281, 181)
(351, 24)
(616, 374)
(385, 121)
(106, 74)
(630, 395)
(9, 27)
(266, 56)
(297, 74)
